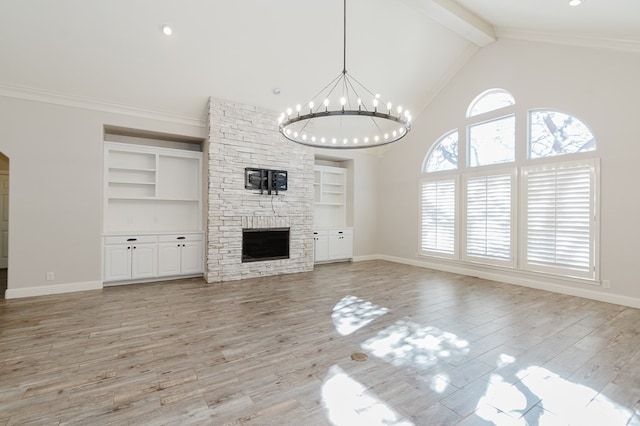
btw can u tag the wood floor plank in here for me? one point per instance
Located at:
(441, 349)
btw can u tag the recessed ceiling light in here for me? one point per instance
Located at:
(167, 30)
(575, 2)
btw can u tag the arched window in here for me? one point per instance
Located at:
(490, 100)
(492, 142)
(505, 205)
(443, 155)
(554, 133)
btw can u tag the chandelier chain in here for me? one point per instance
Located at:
(344, 38)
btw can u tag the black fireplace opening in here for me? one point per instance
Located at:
(265, 244)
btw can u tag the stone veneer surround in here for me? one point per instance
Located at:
(246, 136)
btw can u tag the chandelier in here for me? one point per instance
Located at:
(345, 114)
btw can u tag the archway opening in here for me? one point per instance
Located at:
(4, 223)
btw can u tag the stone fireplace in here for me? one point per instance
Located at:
(243, 136)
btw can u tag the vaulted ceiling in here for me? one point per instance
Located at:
(115, 52)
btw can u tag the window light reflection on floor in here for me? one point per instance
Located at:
(561, 401)
(352, 313)
(348, 402)
(406, 343)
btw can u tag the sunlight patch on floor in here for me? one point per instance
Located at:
(347, 402)
(352, 313)
(564, 402)
(406, 343)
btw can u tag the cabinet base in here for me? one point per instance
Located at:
(322, 262)
(151, 280)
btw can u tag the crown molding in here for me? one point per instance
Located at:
(57, 98)
(593, 42)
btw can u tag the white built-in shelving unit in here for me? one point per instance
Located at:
(150, 189)
(152, 212)
(333, 240)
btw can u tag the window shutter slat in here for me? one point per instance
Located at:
(438, 216)
(559, 205)
(488, 214)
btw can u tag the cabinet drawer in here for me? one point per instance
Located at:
(179, 237)
(126, 239)
(338, 232)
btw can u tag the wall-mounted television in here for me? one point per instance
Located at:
(265, 180)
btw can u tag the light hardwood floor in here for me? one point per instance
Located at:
(442, 349)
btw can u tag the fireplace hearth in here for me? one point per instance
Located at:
(265, 244)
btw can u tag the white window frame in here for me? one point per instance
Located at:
(475, 101)
(463, 216)
(438, 177)
(593, 274)
(555, 156)
(521, 165)
(446, 135)
(467, 144)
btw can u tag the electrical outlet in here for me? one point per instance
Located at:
(50, 276)
(606, 284)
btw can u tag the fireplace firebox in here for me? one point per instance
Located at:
(265, 244)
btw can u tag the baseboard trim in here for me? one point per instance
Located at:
(151, 280)
(366, 258)
(538, 284)
(45, 290)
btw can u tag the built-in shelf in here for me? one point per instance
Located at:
(329, 196)
(329, 185)
(150, 189)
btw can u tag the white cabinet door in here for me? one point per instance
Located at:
(340, 244)
(117, 262)
(169, 259)
(143, 257)
(320, 246)
(345, 250)
(191, 257)
(143, 261)
(180, 255)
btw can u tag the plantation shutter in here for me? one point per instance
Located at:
(489, 217)
(438, 216)
(560, 219)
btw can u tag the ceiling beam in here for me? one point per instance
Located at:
(458, 19)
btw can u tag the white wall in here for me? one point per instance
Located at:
(55, 202)
(363, 197)
(599, 87)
